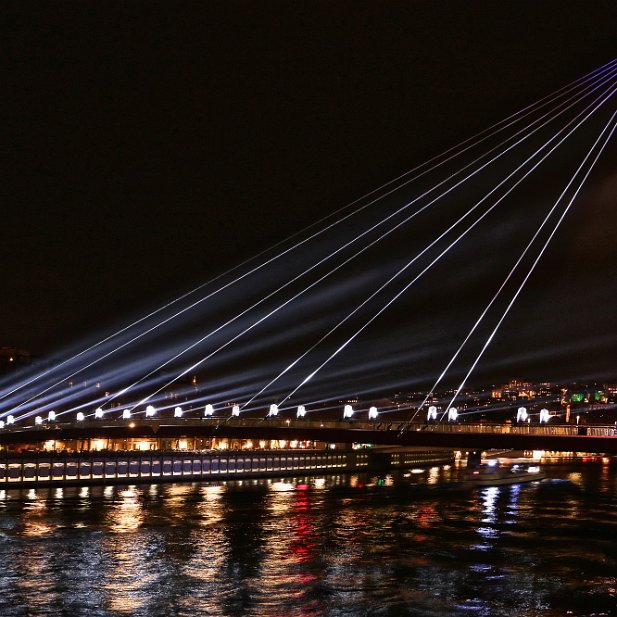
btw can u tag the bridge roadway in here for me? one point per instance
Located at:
(456, 436)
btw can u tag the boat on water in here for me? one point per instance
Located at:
(496, 475)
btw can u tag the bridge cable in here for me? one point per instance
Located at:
(406, 287)
(502, 286)
(192, 367)
(535, 263)
(418, 255)
(539, 104)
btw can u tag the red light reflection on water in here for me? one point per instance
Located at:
(426, 515)
(303, 548)
(424, 519)
(303, 543)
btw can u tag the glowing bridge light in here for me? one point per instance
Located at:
(38, 420)
(372, 413)
(301, 411)
(80, 416)
(432, 413)
(10, 420)
(1, 423)
(452, 414)
(521, 414)
(150, 411)
(126, 414)
(51, 416)
(178, 412)
(348, 411)
(274, 410)
(208, 410)
(235, 411)
(544, 416)
(98, 413)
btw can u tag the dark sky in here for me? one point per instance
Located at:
(152, 145)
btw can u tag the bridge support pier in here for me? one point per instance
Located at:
(474, 458)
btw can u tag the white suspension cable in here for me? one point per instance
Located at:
(535, 263)
(390, 302)
(538, 104)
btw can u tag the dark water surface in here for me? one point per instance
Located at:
(309, 547)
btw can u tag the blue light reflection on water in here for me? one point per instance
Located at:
(340, 546)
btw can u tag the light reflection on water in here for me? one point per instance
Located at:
(341, 545)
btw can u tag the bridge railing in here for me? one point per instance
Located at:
(524, 429)
(450, 427)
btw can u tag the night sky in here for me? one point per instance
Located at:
(153, 145)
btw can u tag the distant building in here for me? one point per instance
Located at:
(515, 390)
(586, 395)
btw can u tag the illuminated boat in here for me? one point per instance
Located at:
(494, 475)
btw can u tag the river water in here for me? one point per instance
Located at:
(340, 545)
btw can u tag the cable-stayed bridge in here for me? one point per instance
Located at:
(340, 308)
(468, 436)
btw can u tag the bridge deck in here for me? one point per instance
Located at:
(565, 438)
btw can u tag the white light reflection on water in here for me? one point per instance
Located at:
(199, 552)
(235, 549)
(209, 510)
(128, 554)
(433, 477)
(126, 514)
(515, 491)
(35, 520)
(488, 531)
(576, 477)
(489, 496)
(282, 487)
